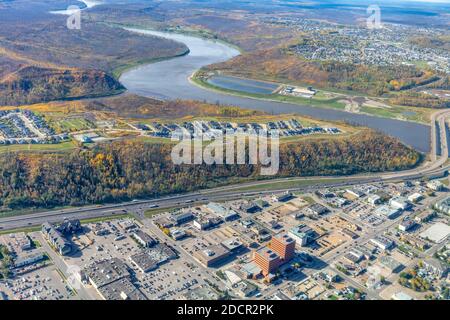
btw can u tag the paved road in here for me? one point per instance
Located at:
(438, 166)
(58, 261)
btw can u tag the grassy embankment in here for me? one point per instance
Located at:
(421, 115)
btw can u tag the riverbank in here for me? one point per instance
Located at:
(393, 112)
(169, 80)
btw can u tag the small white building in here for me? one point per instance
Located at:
(400, 203)
(435, 185)
(382, 242)
(405, 225)
(415, 197)
(374, 199)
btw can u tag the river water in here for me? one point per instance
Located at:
(169, 80)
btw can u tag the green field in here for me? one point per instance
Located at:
(76, 124)
(321, 101)
(64, 146)
(314, 102)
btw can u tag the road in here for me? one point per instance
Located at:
(438, 165)
(81, 292)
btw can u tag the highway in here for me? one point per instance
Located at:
(437, 166)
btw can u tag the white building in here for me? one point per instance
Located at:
(435, 185)
(374, 199)
(382, 242)
(415, 197)
(405, 225)
(400, 203)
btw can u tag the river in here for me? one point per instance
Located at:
(169, 79)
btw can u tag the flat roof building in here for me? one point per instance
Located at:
(443, 205)
(382, 242)
(122, 289)
(400, 203)
(302, 234)
(144, 262)
(284, 197)
(27, 259)
(388, 212)
(144, 239)
(212, 256)
(184, 217)
(406, 225)
(267, 260)
(391, 264)
(102, 273)
(284, 246)
(437, 233)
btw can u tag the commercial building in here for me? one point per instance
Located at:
(400, 203)
(353, 194)
(27, 259)
(177, 234)
(382, 242)
(127, 224)
(435, 185)
(318, 209)
(16, 242)
(357, 255)
(391, 264)
(388, 212)
(251, 208)
(212, 256)
(102, 273)
(152, 258)
(267, 260)
(302, 234)
(436, 267)
(144, 262)
(221, 211)
(181, 218)
(284, 246)
(425, 216)
(144, 239)
(233, 244)
(415, 197)
(406, 225)
(443, 205)
(374, 199)
(202, 224)
(56, 239)
(284, 197)
(206, 223)
(437, 233)
(111, 279)
(122, 289)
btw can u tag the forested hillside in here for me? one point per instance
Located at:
(34, 84)
(42, 60)
(126, 170)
